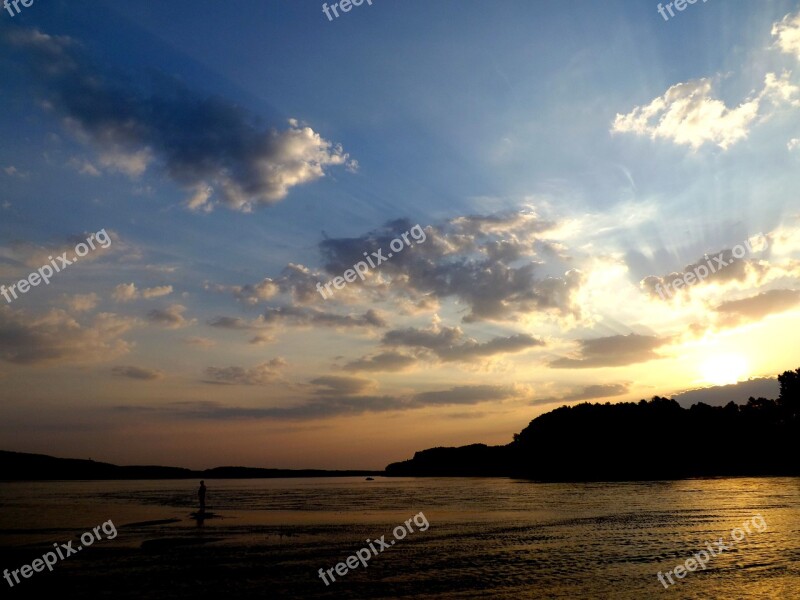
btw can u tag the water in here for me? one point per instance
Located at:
(487, 538)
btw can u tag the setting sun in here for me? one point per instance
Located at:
(725, 369)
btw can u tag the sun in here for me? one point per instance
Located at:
(724, 369)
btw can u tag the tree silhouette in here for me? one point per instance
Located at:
(655, 439)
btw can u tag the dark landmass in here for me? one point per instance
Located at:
(656, 439)
(17, 466)
(636, 441)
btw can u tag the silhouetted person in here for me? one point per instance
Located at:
(201, 494)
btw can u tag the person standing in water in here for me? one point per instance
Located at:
(201, 494)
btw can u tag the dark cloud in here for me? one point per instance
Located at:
(170, 317)
(262, 374)
(312, 316)
(590, 392)
(334, 405)
(449, 344)
(331, 406)
(58, 337)
(613, 351)
(718, 267)
(200, 141)
(385, 361)
(737, 392)
(337, 385)
(757, 307)
(139, 373)
(489, 263)
(231, 323)
(465, 394)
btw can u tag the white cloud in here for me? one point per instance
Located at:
(156, 292)
(126, 292)
(689, 114)
(788, 34)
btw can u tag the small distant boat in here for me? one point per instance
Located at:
(370, 479)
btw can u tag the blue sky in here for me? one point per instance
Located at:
(563, 159)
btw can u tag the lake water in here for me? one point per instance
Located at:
(487, 538)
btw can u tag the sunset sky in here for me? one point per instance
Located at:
(562, 158)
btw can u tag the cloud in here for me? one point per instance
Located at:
(385, 361)
(170, 317)
(261, 374)
(737, 392)
(592, 392)
(13, 171)
(589, 392)
(788, 33)
(84, 167)
(689, 114)
(56, 337)
(260, 339)
(138, 373)
(82, 302)
(709, 270)
(466, 394)
(338, 405)
(253, 294)
(199, 141)
(449, 343)
(156, 292)
(613, 351)
(296, 280)
(312, 316)
(490, 263)
(500, 266)
(233, 323)
(337, 385)
(126, 292)
(32, 256)
(757, 307)
(319, 409)
(200, 341)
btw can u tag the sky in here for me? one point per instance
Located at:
(554, 167)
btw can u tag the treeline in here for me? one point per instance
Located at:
(656, 439)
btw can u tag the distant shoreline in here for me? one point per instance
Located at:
(20, 466)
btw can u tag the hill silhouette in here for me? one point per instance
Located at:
(19, 466)
(656, 439)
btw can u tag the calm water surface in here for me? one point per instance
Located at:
(488, 538)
